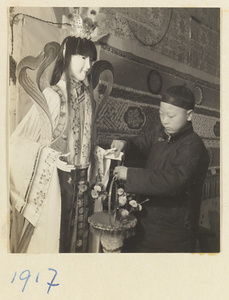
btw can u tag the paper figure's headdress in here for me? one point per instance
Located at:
(81, 26)
(84, 21)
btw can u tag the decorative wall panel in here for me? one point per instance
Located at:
(189, 35)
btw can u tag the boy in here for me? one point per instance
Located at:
(177, 162)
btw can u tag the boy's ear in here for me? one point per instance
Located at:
(189, 115)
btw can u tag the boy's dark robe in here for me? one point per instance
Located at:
(172, 179)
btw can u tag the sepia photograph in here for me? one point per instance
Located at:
(114, 150)
(114, 142)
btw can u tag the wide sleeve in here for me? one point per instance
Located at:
(30, 127)
(173, 179)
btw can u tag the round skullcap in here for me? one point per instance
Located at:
(179, 95)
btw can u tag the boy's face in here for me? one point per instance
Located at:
(174, 118)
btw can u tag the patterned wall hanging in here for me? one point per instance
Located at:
(149, 26)
(134, 117)
(154, 82)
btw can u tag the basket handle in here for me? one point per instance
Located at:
(120, 163)
(110, 194)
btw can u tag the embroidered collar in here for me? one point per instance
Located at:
(79, 86)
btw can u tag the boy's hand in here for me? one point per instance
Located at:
(120, 173)
(119, 145)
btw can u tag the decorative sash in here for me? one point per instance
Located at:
(31, 169)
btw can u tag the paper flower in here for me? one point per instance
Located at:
(124, 212)
(94, 194)
(139, 207)
(133, 203)
(120, 191)
(97, 188)
(122, 200)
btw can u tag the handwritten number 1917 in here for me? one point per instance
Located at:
(25, 275)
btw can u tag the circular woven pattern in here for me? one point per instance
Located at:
(150, 26)
(198, 94)
(154, 82)
(105, 221)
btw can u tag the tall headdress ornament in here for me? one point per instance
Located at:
(81, 26)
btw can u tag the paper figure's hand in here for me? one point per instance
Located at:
(62, 164)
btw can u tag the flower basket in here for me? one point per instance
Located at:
(112, 230)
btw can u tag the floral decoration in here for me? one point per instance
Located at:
(126, 204)
(82, 186)
(122, 203)
(99, 195)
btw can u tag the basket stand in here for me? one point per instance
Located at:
(112, 232)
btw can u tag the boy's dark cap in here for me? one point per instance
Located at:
(179, 95)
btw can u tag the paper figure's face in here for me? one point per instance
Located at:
(79, 67)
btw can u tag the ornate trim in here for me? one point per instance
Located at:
(147, 98)
(63, 117)
(152, 65)
(37, 158)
